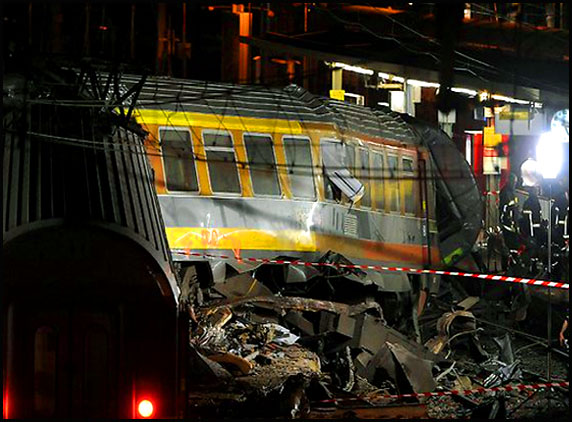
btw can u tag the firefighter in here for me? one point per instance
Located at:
(560, 214)
(509, 216)
(531, 220)
(563, 332)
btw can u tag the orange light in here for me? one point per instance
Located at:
(145, 408)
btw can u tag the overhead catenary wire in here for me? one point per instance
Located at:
(487, 66)
(178, 105)
(105, 146)
(488, 12)
(437, 60)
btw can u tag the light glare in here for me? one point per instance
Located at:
(549, 155)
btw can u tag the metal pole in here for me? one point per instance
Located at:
(549, 313)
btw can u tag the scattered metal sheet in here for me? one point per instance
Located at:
(371, 333)
(242, 286)
(389, 281)
(463, 382)
(505, 346)
(503, 375)
(243, 266)
(418, 371)
(468, 302)
(232, 361)
(297, 319)
(451, 325)
(281, 335)
(382, 361)
(297, 274)
(300, 304)
(346, 326)
(218, 270)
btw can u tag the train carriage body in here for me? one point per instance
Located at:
(257, 172)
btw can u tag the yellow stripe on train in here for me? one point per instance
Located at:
(237, 239)
(216, 121)
(240, 238)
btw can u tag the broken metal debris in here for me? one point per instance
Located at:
(503, 374)
(454, 328)
(272, 345)
(418, 371)
(259, 352)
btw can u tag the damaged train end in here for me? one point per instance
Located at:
(90, 299)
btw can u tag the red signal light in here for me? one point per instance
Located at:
(145, 408)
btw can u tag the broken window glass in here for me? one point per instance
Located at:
(299, 164)
(337, 173)
(221, 162)
(178, 160)
(331, 148)
(262, 165)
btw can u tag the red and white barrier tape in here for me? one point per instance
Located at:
(507, 279)
(517, 387)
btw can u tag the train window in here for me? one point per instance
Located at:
(178, 160)
(378, 180)
(331, 148)
(408, 165)
(300, 167)
(45, 359)
(338, 178)
(262, 164)
(393, 183)
(364, 177)
(407, 184)
(221, 162)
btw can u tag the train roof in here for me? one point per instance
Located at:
(292, 103)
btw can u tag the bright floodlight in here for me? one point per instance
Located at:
(549, 155)
(530, 173)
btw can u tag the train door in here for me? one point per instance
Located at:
(64, 362)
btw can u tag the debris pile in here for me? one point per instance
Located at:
(258, 352)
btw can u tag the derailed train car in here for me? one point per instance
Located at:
(257, 172)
